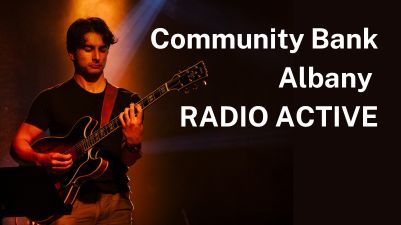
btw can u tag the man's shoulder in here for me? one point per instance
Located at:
(126, 92)
(53, 90)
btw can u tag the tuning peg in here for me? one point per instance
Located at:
(186, 91)
(204, 83)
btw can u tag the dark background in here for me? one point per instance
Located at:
(234, 175)
(348, 175)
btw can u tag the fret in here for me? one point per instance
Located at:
(162, 90)
(145, 102)
(150, 98)
(157, 94)
(111, 125)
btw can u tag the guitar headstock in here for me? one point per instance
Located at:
(192, 77)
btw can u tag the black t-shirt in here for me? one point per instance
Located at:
(58, 108)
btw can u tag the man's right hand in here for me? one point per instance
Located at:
(56, 162)
(22, 150)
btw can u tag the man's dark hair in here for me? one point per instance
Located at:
(77, 30)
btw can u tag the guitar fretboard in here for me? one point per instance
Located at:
(152, 97)
(84, 145)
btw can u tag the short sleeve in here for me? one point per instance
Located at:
(38, 114)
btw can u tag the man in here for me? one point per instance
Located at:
(104, 200)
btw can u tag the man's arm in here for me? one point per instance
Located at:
(131, 122)
(21, 147)
(131, 153)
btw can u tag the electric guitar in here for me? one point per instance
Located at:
(82, 138)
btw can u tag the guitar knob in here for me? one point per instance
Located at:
(204, 83)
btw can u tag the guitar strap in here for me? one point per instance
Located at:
(109, 99)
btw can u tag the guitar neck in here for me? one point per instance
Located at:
(114, 123)
(153, 96)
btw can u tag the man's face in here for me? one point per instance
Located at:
(90, 60)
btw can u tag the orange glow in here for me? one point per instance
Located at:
(110, 10)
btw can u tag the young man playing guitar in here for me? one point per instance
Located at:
(104, 200)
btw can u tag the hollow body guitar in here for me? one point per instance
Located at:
(81, 140)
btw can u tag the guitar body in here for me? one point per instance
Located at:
(86, 165)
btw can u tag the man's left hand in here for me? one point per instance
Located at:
(131, 122)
